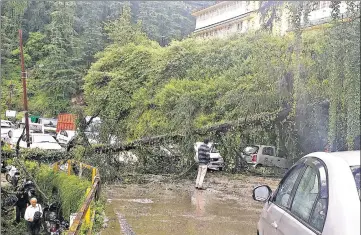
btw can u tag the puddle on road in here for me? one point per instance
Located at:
(154, 210)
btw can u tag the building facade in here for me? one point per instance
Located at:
(230, 17)
(227, 17)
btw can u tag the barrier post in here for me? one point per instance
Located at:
(55, 168)
(69, 167)
(87, 213)
(80, 169)
(94, 174)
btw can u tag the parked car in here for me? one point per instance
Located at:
(41, 141)
(6, 130)
(33, 127)
(15, 137)
(49, 125)
(320, 195)
(64, 136)
(262, 155)
(217, 162)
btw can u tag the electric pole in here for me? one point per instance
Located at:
(25, 96)
(11, 91)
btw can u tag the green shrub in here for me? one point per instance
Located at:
(70, 190)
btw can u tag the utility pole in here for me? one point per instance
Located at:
(25, 96)
(11, 91)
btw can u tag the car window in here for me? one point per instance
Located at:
(250, 150)
(268, 151)
(64, 133)
(306, 194)
(356, 174)
(214, 150)
(319, 214)
(285, 189)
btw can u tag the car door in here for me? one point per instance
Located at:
(63, 137)
(307, 212)
(268, 156)
(274, 209)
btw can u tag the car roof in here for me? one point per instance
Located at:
(352, 158)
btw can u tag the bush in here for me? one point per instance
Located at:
(70, 190)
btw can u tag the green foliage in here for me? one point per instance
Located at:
(70, 190)
(194, 83)
(153, 90)
(61, 39)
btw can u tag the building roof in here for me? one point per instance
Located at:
(245, 15)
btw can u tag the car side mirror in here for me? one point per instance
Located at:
(262, 193)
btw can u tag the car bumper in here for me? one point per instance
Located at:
(252, 164)
(215, 165)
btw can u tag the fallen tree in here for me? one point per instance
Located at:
(260, 119)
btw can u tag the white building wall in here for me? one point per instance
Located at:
(230, 9)
(323, 13)
(225, 11)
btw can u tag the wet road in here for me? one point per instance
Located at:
(161, 209)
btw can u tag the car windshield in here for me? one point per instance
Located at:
(43, 139)
(250, 150)
(356, 174)
(50, 123)
(5, 124)
(214, 149)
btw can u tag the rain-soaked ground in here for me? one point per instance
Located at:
(225, 208)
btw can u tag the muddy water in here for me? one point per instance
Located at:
(160, 209)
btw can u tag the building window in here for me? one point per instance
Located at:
(247, 6)
(239, 26)
(251, 5)
(252, 24)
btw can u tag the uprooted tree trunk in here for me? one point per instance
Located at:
(219, 128)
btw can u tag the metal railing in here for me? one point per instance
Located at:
(85, 215)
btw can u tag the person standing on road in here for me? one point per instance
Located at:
(21, 205)
(33, 214)
(203, 161)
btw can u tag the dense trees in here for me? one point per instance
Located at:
(134, 72)
(62, 37)
(150, 90)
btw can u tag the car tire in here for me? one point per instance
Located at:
(8, 178)
(220, 169)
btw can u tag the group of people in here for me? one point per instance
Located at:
(32, 214)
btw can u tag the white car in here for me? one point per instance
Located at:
(41, 141)
(319, 195)
(216, 160)
(15, 137)
(262, 155)
(49, 125)
(6, 130)
(64, 136)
